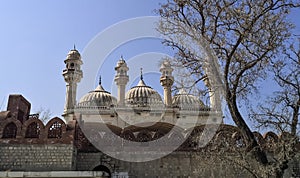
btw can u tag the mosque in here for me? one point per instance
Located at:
(140, 104)
(137, 133)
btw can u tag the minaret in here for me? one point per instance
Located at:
(72, 75)
(167, 80)
(121, 79)
(214, 95)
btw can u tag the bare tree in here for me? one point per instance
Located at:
(283, 107)
(44, 114)
(281, 110)
(245, 35)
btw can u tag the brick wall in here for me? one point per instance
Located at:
(19, 107)
(23, 157)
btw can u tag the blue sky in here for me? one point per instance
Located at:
(35, 37)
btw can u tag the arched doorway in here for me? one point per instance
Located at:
(104, 169)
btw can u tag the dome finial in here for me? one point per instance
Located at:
(121, 58)
(74, 47)
(141, 73)
(100, 80)
(181, 89)
(181, 83)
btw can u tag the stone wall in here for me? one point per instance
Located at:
(56, 157)
(177, 164)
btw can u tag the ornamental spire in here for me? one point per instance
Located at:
(141, 73)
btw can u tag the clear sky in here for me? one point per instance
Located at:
(35, 37)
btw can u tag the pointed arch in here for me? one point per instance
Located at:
(128, 135)
(259, 138)
(270, 137)
(6, 126)
(55, 128)
(33, 128)
(10, 130)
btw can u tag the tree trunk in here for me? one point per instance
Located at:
(295, 118)
(251, 142)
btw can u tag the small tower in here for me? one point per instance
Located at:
(121, 79)
(167, 80)
(72, 75)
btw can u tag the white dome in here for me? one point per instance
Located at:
(184, 100)
(142, 95)
(99, 97)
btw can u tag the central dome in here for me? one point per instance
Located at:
(142, 95)
(99, 98)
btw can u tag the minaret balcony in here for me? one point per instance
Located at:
(66, 70)
(166, 80)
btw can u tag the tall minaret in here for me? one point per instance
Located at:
(121, 79)
(214, 95)
(167, 80)
(72, 75)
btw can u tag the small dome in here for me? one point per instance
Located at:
(99, 97)
(142, 95)
(186, 101)
(74, 54)
(121, 63)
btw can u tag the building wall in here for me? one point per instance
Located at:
(65, 157)
(36, 157)
(177, 164)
